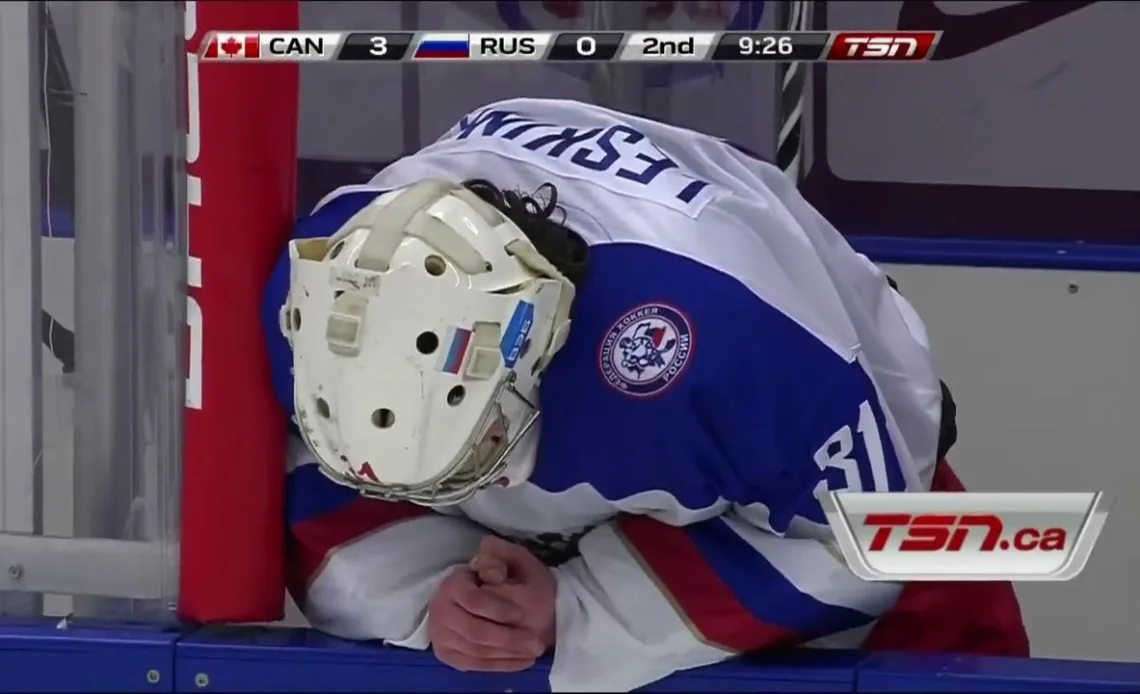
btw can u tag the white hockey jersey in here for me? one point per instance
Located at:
(730, 359)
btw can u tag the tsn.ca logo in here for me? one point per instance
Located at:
(963, 536)
(896, 46)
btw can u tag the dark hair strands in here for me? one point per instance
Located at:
(534, 214)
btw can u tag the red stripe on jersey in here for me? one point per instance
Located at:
(696, 590)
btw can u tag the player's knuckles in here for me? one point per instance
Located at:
(520, 563)
(479, 601)
(504, 639)
(463, 591)
(457, 643)
(482, 632)
(468, 663)
(438, 632)
(529, 596)
(456, 582)
(507, 665)
(457, 659)
(521, 594)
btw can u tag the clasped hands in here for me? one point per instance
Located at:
(497, 613)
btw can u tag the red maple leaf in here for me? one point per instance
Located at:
(231, 46)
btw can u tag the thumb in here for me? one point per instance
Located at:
(518, 559)
(490, 570)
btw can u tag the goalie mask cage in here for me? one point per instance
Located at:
(169, 188)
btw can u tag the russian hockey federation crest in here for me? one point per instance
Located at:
(646, 350)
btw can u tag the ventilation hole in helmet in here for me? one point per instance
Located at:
(337, 294)
(336, 250)
(383, 418)
(456, 395)
(435, 265)
(323, 408)
(296, 322)
(427, 342)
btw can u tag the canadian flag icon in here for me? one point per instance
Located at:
(233, 47)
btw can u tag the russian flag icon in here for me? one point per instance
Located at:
(442, 47)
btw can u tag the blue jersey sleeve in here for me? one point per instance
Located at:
(679, 377)
(809, 422)
(792, 417)
(321, 223)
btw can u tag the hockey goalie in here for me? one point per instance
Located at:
(571, 382)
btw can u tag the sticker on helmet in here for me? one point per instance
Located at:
(458, 342)
(518, 328)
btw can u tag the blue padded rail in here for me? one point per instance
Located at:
(37, 656)
(896, 672)
(298, 660)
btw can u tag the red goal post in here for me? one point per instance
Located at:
(241, 187)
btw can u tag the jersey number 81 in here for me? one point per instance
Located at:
(838, 453)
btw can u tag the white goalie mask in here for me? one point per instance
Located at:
(420, 331)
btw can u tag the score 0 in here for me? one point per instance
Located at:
(581, 46)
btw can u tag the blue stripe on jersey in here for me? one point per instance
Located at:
(758, 397)
(324, 222)
(309, 494)
(762, 589)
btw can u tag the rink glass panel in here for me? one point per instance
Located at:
(92, 306)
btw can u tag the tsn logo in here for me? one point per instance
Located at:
(965, 536)
(883, 45)
(935, 532)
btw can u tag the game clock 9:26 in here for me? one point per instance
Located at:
(774, 46)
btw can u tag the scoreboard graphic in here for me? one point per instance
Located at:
(571, 47)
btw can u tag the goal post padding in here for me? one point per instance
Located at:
(242, 159)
